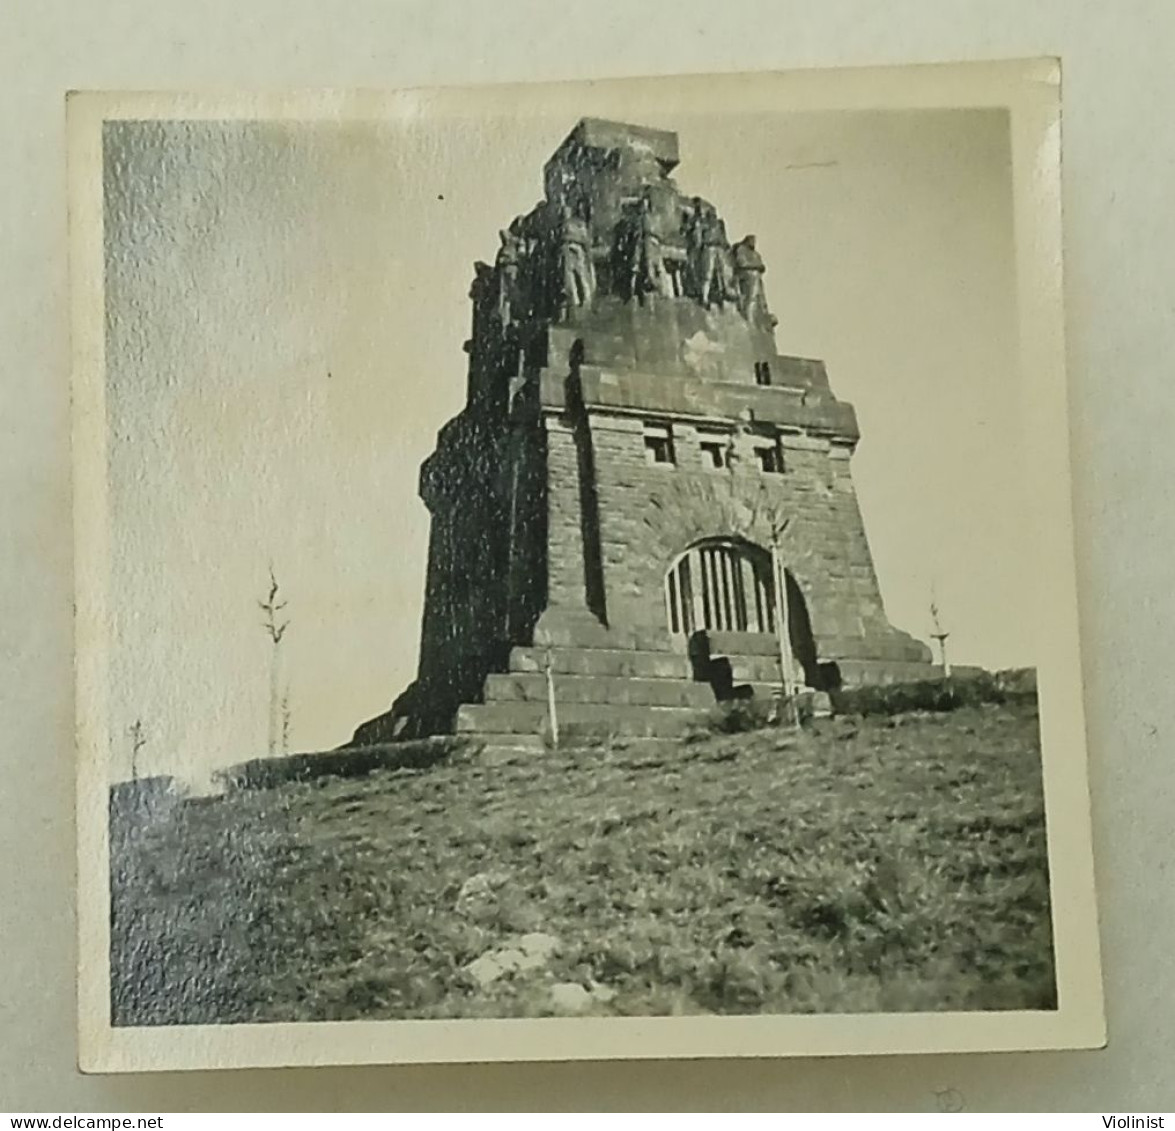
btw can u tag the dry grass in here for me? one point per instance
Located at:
(865, 864)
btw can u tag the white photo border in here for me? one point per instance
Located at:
(1030, 92)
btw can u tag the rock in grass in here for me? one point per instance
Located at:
(479, 889)
(491, 966)
(538, 946)
(602, 994)
(570, 997)
(527, 952)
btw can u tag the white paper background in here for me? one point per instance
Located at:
(1120, 230)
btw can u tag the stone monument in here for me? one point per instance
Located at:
(643, 506)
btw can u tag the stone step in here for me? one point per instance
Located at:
(501, 749)
(516, 741)
(575, 719)
(743, 644)
(893, 647)
(856, 673)
(765, 670)
(760, 666)
(603, 662)
(633, 690)
(758, 669)
(587, 632)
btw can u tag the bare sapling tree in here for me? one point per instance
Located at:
(768, 511)
(777, 528)
(286, 720)
(275, 628)
(542, 640)
(552, 710)
(138, 738)
(939, 634)
(777, 525)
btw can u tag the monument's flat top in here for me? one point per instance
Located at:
(599, 133)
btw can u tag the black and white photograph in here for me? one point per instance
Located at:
(576, 554)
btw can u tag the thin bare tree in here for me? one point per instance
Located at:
(286, 719)
(138, 738)
(275, 628)
(764, 509)
(940, 634)
(543, 641)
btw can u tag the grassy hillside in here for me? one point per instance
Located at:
(864, 864)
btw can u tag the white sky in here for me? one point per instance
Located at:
(286, 306)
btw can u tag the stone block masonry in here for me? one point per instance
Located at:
(636, 476)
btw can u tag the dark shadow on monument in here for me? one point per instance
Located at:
(717, 671)
(714, 670)
(820, 675)
(799, 623)
(589, 501)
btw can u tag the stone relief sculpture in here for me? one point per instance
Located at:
(714, 268)
(748, 272)
(508, 265)
(483, 292)
(647, 271)
(691, 225)
(575, 260)
(625, 233)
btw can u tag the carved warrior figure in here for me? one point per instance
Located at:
(748, 270)
(483, 291)
(647, 274)
(575, 260)
(692, 227)
(710, 250)
(508, 264)
(647, 258)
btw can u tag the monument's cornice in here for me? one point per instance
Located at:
(672, 397)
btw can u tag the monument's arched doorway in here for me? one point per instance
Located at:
(728, 585)
(720, 585)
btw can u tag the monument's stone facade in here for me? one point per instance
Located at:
(635, 467)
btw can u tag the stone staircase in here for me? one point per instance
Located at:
(617, 690)
(588, 690)
(631, 685)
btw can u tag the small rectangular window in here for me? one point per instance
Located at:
(769, 454)
(658, 443)
(770, 459)
(715, 449)
(762, 373)
(714, 453)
